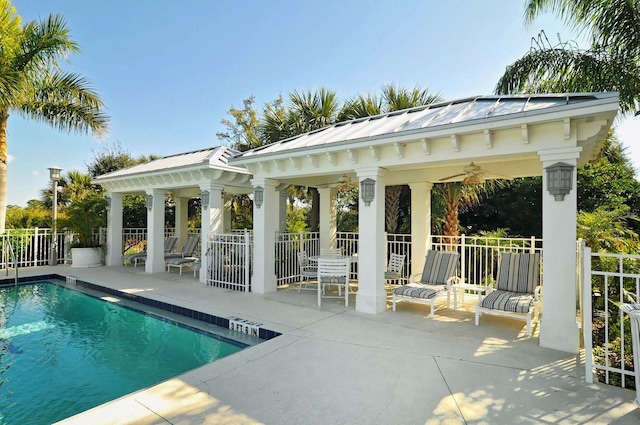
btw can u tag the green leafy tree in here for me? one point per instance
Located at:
(516, 207)
(606, 230)
(611, 63)
(606, 182)
(33, 85)
(112, 158)
(243, 131)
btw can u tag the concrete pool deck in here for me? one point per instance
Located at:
(332, 365)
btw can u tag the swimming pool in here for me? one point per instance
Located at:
(63, 352)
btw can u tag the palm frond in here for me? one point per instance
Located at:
(43, 44)
(564, 68)
(65, 101)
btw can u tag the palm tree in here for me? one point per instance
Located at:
(611, 63)
(394, 98)
(458, 197)
(33, 85)
(606, 230)
(307, 111)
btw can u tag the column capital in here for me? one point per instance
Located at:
(569, 155)
(264, 182)
(420, 185)
(370, 172)
(212, 186)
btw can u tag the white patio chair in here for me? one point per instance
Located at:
(333, 272)
(395, 269)
(518, 292)
(437, 276)
(307, 271)
(169, 245)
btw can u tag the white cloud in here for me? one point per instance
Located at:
(10, 158)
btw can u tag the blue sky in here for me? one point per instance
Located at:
(169, 71)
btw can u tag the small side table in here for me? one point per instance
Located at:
(479, 289)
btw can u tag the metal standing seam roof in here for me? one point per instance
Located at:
(214, 158)
(462, 111)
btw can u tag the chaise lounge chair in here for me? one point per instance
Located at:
(518, 291)
(169, 245)
(188, 256)
(437, 276)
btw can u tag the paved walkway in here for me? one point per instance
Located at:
(332, 365)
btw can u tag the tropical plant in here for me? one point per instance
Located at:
(606, 230)
(458, 197)
(84, 215)
(611, 63)
(33, 85)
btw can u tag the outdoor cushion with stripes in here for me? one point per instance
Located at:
(518, 272)
(439, 266)
(417, 290)
(508, 301)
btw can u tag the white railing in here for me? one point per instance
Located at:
(31, 247)
(288, 245)
(479, 254)
(229, 259)
(607, 281)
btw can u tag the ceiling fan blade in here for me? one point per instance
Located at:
(452, 177)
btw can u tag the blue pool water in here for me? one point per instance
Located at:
(63, 352)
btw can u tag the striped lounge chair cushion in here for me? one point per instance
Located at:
(518, 272)
(439, 266)
(508, 301)
(417, 290)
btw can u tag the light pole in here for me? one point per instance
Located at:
(54, 175)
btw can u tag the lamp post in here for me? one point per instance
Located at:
(54, 175)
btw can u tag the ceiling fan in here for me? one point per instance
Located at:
(474, 174)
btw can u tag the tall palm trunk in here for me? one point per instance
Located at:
(4, 116)
(451, 221)
(392, 207)
(314, 214)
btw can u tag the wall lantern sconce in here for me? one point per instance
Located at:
(367, 190)
(149, 202)
(559, 180)
(258, 196)
(204, 198)
(108, 205)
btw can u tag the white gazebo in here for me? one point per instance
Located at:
(204, 174)
(518, 136)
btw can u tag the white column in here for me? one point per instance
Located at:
(155, 233)
(281, 225)
(264, 238)
(226, 212)
(211, 221)
(420, 224)
(372, 296)
(559, 328)
(182, 220)
(328, 217)
(114, 230)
